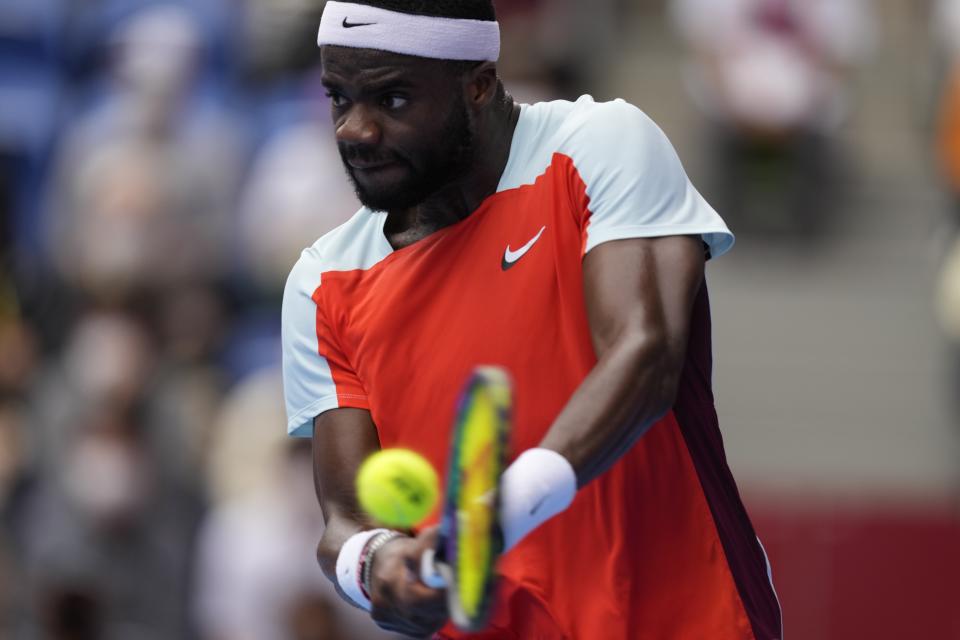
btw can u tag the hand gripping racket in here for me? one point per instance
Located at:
(470, 537)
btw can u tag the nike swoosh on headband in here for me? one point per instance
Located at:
(351, 25)
(510, 258)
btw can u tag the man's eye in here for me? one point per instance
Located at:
(394, 102)
(336, 99)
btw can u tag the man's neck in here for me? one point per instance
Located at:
(458, 200)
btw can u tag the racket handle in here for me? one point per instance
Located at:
(429, 571)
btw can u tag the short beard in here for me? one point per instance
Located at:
(437, 171)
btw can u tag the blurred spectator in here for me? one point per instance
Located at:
(186, 392)
(145, 183)
(296, 192)
(7, 583)
(108, 360)
(15, 456)
(105, 509)
(257, 576)
(111, 358)
(31, 89)
(949, 295)
(563, 45)
(15, 460)
(104, 541)
(19, 355)
(72, 612)
(280, 37)
(771, 76)
(946, 30)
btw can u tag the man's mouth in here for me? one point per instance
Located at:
(369, 165)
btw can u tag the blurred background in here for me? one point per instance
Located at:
(162, 164)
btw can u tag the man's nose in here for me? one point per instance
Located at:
(358, 127)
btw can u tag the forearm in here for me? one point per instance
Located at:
(342, 440)
(628, 389)
(632, 385)
(639, 295)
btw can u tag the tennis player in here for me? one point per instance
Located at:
(564, 242)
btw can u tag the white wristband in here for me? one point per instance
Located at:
(537, 486)
(348, 567)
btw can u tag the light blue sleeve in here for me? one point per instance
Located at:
(636, 185)
(308, 385)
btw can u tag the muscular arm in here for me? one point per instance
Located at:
(342, 439)
(639, 294)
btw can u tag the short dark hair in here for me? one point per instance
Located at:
(462, 9)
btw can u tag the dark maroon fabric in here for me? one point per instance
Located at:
(697, 417)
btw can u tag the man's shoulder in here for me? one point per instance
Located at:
(356, 244)
(352, 245)
(594, 135)
(565, 118)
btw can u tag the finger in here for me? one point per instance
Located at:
(428, 538)
(392, 620)
(418, 565)
(420, 593)
(408, 599)
(425, 621)
(416, 600)
(416, 593)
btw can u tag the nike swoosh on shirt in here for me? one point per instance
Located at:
(351, 25)
(511, 257)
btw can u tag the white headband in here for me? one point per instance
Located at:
(364, 27)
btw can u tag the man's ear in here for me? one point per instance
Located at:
(481, 87)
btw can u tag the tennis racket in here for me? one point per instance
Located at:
(471, 541)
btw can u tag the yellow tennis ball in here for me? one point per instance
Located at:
(397, 487)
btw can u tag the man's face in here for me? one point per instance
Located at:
(402, 125)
